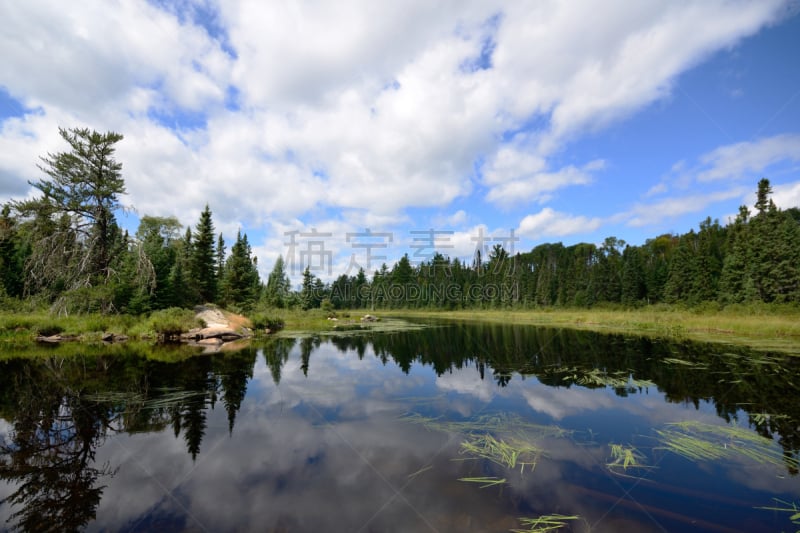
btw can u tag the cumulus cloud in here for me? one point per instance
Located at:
(749, 159)
(286, 110)
(537, 186)
(551, 223)
(653, 213)
(787, 195)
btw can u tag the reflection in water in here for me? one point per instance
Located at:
(63, 409)
(323, 434)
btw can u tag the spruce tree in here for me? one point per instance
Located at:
(204, 259)
(240, 276)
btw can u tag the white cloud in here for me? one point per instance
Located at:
(786, 195)
(653, 213)
(538, 186)
(551, 223)
(749, 159)
(371, 109)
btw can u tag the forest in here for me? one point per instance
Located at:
(65, 251)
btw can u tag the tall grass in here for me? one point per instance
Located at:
(767, 327)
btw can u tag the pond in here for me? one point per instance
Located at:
(454, 427)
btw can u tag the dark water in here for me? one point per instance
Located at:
(372, 433)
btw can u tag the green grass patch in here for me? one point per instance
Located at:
(550, 522)
(698, 441)
(507, 453)
(761, 327)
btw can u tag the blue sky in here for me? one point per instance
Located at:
(477, 122)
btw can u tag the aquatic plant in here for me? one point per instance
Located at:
(601, 378)
(625, 457)
(488, 481)
(550, 522)
(506, 453)
(497, 423)
(699, 441)
(785, 507)
(692, 365)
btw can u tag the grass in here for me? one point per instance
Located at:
(601, 378)
(498, 423)
(785, 507)
(625, 457)
(299, 323)
(774, 328)
(698, 441)
(507, 453)
(550, 522)
(488, 481)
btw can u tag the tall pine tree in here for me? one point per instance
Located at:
(204, 259)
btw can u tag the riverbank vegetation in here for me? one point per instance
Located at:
(67, 266)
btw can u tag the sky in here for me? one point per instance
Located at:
(344, 135)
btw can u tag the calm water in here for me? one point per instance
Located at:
(398, 432)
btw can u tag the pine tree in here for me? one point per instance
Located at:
(73, 221)
(278, 285)
(204, 259)
(240, 276)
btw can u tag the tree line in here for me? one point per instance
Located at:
(65, 248)
(755, 258)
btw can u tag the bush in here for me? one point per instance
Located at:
(173, 321)
(47, 328)
(262, 321)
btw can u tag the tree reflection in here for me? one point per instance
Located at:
(735, 380)
(50, 455)
(62, 409)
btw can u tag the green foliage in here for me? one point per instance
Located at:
(173, 321)
(240, 281)
(262, 321)
(73, 221)
(203, 259)
(278, 289)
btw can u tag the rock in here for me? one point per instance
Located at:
(210, 342)
(107, 337)
(369, 318)
(51, 338)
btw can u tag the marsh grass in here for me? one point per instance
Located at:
(507, 453)
(691, 365)
(496, 423)
(550, 522)
(315, 322)
(762, 327)
(698, 441)
(782, 506)
(601, 378)
(163, 398)
(488, 481)
(625, 457)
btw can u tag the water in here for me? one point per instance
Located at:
(380, 432)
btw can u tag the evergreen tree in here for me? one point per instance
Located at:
(634, 288)
(204, 259)
(159, 237)
(240, 276)
(73, 220)
(309, 297)
(278, 285)
(13, 253)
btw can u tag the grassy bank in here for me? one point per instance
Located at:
(762, 328)
(18, 327)
(759, 327)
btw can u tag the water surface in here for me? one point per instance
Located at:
(396, 432)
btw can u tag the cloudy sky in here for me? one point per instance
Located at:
(349, 133)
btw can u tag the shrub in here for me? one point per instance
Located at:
(46, 328)
(173, 321)
(262, 321)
